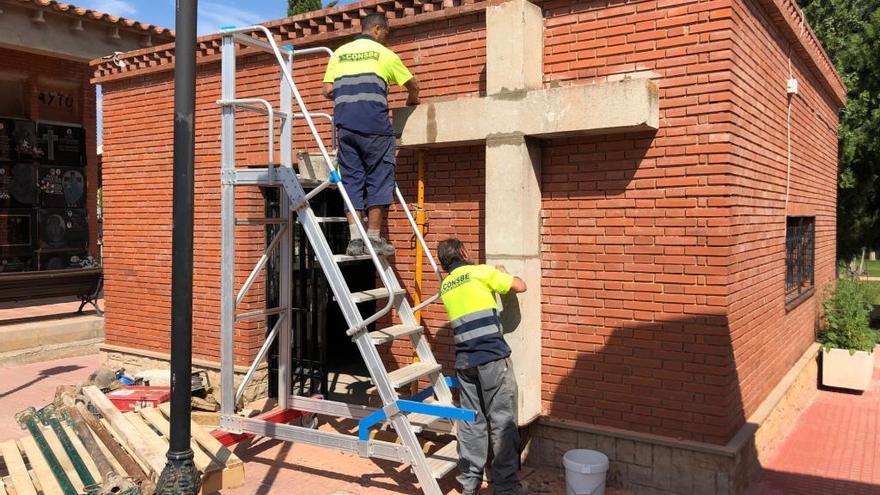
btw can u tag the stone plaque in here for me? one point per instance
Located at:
(24, 140)
(63, 228)
(7, 144)
(16, 263)
(62, 187)
(61, 145)
(18, 185)
(61, 260)
(16, 230)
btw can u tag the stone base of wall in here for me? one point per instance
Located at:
(654, 465)
(32, 342)
(136, 360)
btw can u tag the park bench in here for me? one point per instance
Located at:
(84, 283)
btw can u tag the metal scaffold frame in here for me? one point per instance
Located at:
(431, 409)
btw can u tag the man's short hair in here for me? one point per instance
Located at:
(373, 20)
(449, 252)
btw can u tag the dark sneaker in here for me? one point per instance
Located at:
(355, 247)
(382, 247)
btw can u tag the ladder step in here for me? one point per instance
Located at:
(444, 460)
(331, 219)
(421, 422)
(411, 373)
(373, 294)
(342, 258)
(395, 332)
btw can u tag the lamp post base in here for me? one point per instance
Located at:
(180, 477)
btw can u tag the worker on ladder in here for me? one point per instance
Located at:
(482, 364)
(357, 80)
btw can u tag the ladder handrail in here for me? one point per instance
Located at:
(245, 103)
(323, 115)
(288, 77)
(421, 240)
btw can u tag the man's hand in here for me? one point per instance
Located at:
(327, 90)
(501, 268)
(412, 88)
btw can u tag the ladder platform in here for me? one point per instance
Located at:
(386, 335)
(444, 460)
(343, 258)
(261, 177)
(374, 294)
(411, 373)
(261, 221)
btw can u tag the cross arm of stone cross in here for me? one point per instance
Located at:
(629, 105)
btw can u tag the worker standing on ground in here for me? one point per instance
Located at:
(357, 80)
(482, 365)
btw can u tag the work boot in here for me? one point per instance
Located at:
(382, 247)
(356, 247)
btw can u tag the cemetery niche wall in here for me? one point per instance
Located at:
(44, 224)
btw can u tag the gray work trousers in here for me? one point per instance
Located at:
(490, 389)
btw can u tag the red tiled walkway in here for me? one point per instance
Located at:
(833, 449)
(34, 385)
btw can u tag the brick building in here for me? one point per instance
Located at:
(646, 165)
(48, 158)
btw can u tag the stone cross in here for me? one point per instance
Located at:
(515, 113)
(50, 138)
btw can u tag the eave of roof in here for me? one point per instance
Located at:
(164, 35)
(305, 29)
(322, 25)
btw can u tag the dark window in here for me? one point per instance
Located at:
(800, 250)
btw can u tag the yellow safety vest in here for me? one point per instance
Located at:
(361, 71)
(468, 293)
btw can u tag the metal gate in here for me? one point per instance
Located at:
(315, 316)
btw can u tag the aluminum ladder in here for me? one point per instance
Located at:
(430, 409)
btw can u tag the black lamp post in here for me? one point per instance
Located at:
(180, 476)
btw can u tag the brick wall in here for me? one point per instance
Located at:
(635, 226)
(767, 339)
(40, 70)
(654, 316)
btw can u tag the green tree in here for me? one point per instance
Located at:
(850, 33)
(295, 7)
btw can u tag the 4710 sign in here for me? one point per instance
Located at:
(57, 99)
(58, 104)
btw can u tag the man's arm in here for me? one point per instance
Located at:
(327, 89)
(518, 285)
(412, 87)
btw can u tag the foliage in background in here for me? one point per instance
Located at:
(847, 312)
(850, 33)
(295, 7)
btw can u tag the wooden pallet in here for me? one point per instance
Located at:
(143, 434)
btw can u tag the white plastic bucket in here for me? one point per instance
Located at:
(585, 472)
